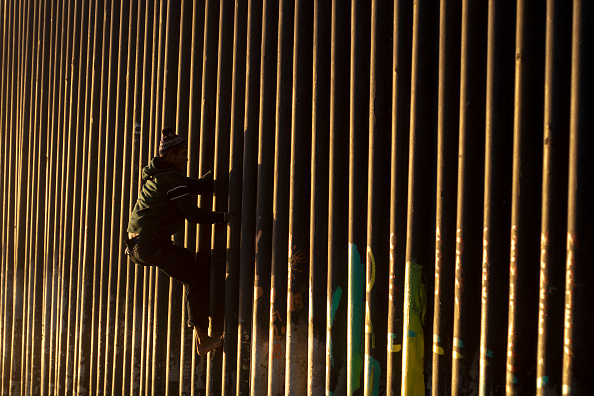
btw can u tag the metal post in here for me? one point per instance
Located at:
(85, 364)
(378, 202)
(232, 279)
(318, 220)
(280, 207)
(132, 330)
(525, 212)
(264, 201)
(497, 194)
(577, 342)
(358, 142)
(249, 188)
(469, 210)
(421, 203)
(447, 165)
(221, 192)
(297, 278)
(122, 188)
(554, 183)
(338, 220)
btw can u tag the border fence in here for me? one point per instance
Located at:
(412, 185)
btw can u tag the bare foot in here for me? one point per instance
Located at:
(205, 343)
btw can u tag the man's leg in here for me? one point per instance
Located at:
(179, 263)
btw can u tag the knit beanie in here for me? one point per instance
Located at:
(170, 141)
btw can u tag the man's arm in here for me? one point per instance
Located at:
(202, 186)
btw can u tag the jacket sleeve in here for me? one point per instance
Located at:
(180, 194)
(202, 186)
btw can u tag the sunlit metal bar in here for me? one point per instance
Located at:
(377, 259)
(497, 193)
(194, 117)
(447, 166)
(578, 345)
(421, 202)
(221, 192)
(358, 141)
(127, 78)
(318, 218)
(298, 272)
(248, 208)
(525, 211)
(338, 140)
(466, 335)
(236, 140)
(276, 316)
(553, 238)
(264, 200)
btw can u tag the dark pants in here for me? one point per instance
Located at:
(178, 263)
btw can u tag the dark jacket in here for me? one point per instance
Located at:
(166, 200)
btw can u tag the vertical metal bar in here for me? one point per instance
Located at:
(131, 123)
(137, 360)
(338, 220)
(41, 119)
(171, 110)
(232, 279)
(162, 281)
(525, 212)
(85, 381)
(19, 263)
(249, 188)
(122, 188)
(378, 201)
(358, 142)
(318, 220)
(421, 215)
(99, 161)
(298, 272)
(52, 264)
(280, 206)
(577, 343)
(32, 185)
(195, 49)
(264, 200)
(114, 181)
(152, 134)
(553, 221)
(469, 210)
(497, 194)
(401, 61)
(445, 230)
(78, 222)
(221, 188)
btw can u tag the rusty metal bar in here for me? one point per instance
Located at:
(553, 237)
(221, 188)
(318, 232)
(236, 140)
(421, 204)
(578, 345)
(378, 202)
(466, 334)
(525, 215)
(264, 200)
(401, 55)
(447, 166)
(358, 139)
(296, 371)
(497, 194)
(337, 282)
(248, 200)
(280, 207)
